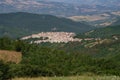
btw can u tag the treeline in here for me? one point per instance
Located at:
(45, 61)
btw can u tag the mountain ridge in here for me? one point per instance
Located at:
(59, 8)
(30, 23)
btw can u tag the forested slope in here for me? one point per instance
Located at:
(22, 24)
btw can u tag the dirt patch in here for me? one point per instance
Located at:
(10, 56)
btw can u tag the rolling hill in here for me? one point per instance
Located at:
(103, 32)
(22, 24)
(72, 58)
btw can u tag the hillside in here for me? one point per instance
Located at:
(22, 24)
(117, 22)
(102, 32)
(63, 59)
(91, 56)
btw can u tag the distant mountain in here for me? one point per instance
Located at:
(90, 2)
(23, 24)
(60, 7)
(41, 7)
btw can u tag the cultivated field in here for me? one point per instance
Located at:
(73, 78)
(90, 17)
(10, 56)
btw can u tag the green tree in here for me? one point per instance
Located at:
(5, 71)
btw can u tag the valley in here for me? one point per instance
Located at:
(59, 8)
(98, 20)
(97, 13)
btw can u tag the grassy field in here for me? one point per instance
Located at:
(10, 56)
(73, 78)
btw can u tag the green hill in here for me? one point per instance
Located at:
(64, 59)
(22, 24)
(102, 32)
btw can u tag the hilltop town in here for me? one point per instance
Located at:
(64, 37)
(53, 37)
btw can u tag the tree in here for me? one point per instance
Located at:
(5, 71)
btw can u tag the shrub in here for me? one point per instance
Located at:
(5, 71)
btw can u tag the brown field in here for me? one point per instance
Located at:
(10, 56)
(90, 17)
